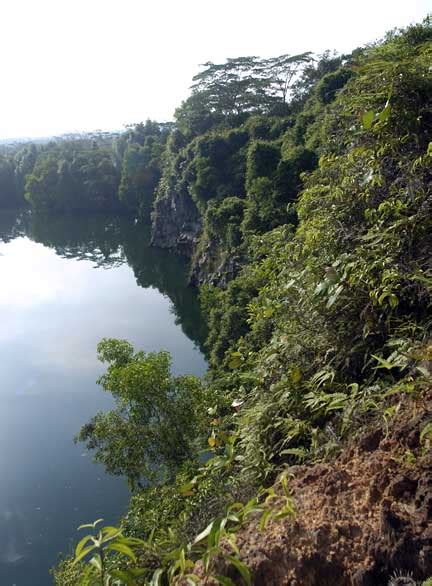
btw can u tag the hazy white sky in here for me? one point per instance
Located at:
(69, 65)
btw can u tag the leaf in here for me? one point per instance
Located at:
(385, 114)
(296, 375)
(286, 511)
(214, 535)
(367, 119)
(189, 488)
(265, 517)
(383, 363)
(212, 441)
(192, 579)
(223, 580)
(268, 312)
(96, 563)
(333, 298)
(337, 402)
(204, 533)
(321, 288)
(82, 554)
(424, 371)
(236, 360)
(157, 577)
(121, 548)
(299, 453)
(127, 576)
(81, 544)
(90, 525)
(241, 568)
(109, 533)
(426, 431)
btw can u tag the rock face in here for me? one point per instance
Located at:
(364, 519)
(212, 265)
(176, 223)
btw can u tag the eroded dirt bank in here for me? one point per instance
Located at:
(360, 518)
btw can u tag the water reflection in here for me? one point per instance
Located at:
(109, 241)
(66, 282)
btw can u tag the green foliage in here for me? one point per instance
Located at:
(216, 544)
(222, 221)
(229, 92)
(341, 306)
(66, 573)
(273, 183)
(9, 195)
(157, 417)
(97, 549)
(331, 83)
(75, 175)
(217, 166)
(262, 160)
(141, 154)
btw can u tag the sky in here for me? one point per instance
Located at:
(80, 65)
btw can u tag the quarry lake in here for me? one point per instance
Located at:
(66, 283)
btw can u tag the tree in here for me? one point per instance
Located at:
(157, 417)
(141, 152)
(247, 85)
(281, 72)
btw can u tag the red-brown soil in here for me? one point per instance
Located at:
(359, 518)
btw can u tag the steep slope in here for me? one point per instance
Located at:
(322, 337)
(361, 518)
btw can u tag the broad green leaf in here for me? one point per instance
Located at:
(82, 554)
(367, 119)
(335, 295)
(265, 517)
(109, 533)
(81, 544)
(383, 363)
(121, 548)
(188, 489)
(235, 360)
(384, 114)
(212, 441)
(214, 535)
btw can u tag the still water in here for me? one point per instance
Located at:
(66, 282)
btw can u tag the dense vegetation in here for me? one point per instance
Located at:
(304, 188)
(99, 172)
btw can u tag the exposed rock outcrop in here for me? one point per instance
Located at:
(176, 223)
(212, 265)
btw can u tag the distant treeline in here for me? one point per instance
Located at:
(84, 173)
